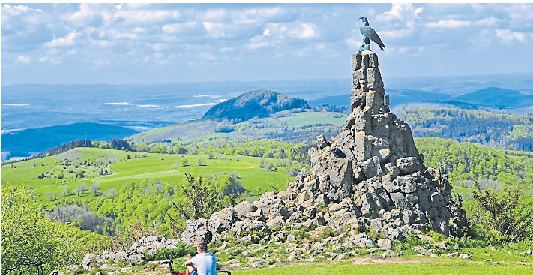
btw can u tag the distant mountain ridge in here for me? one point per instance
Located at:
(258, 103)
(37, 140)
(491, 97)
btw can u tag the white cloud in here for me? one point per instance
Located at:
(134, 6)
(405, 12)
(215, 30)
(208, 56)
(227, 49)
(213, 15)
(102, 43)
(450, 24)
(148, 106)
(298, 30)
(194, 105)
(158, 47)
(17, 104)
(117, 103)
(256, 15)
(141, 16)
(178, 27)
(52, 60)
(395, 33)
(68, 40)
(306, 32)
(353, 43)
(509, 36)
(489, 22)
(23, 59)
(119, 35)
(85, 13)
(255, 45)
(100, 62)
(139, 30)
(19, 9)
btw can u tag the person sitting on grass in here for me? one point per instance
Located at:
(203, 263)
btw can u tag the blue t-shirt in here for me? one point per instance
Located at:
(206, 264)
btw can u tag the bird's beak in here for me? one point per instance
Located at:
(361, 18)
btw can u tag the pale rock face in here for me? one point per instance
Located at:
(378, 180)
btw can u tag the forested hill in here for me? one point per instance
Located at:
(259, 103)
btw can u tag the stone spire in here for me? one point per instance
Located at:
(379, 166)
(369, 174)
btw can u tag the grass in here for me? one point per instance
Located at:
(452, 267)
(164, 167)
(445, 267)
(312, 118)
(204, 130)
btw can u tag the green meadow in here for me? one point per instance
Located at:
(137, 167)
(312, 118)
(429, 268)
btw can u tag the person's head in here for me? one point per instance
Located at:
(202, 247)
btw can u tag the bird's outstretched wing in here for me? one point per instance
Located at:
(371, 33)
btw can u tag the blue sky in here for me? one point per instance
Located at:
(162, 43)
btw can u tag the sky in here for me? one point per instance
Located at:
(136, 43)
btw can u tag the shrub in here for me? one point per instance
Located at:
(172, 253)
(506, 213)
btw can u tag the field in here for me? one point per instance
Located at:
(139, 166)
(459, 267)
(294, 127)
(312, 118)
(370, 265)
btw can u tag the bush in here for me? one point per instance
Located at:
(173, 253)
(506, 213)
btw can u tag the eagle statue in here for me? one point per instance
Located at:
(369, 34)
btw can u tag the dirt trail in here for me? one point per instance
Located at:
(162, 172)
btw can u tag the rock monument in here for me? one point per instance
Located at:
(375, 182)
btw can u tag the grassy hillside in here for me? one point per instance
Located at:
(139, 166)
(284, 126)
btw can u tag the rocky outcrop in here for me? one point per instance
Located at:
(375, 181)
(148, 244)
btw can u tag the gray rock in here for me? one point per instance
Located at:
(407, 184)
(385, 243)
(88, 261)
(322, 142)
(364, 240)
(197, 231)
(272, 206)
(340, 179)
(372, 167)
(222, 221)
(421, 250)
(465, 256)
(408, 165)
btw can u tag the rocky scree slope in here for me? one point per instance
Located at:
(377, 183)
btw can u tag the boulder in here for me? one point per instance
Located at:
(197, 231)
(222, 221)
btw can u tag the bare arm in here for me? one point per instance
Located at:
(188, 263)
